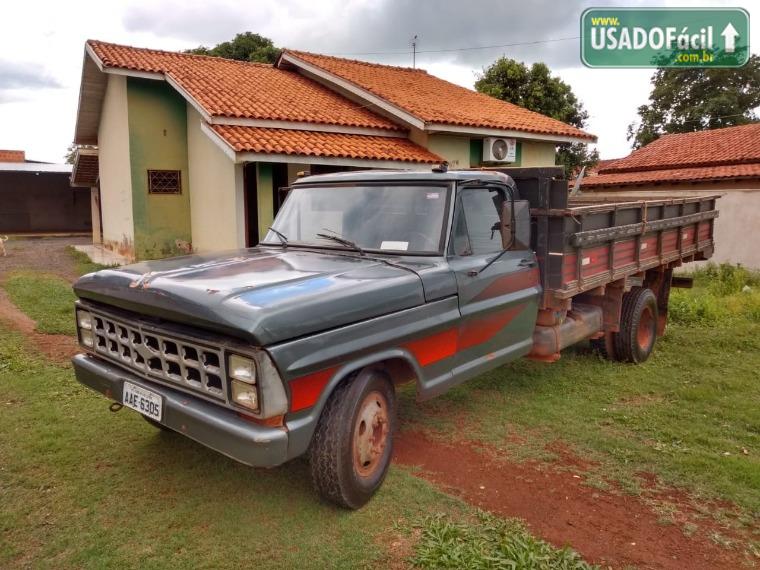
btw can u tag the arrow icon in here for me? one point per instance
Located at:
(729, 34)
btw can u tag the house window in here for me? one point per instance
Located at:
(164, 182)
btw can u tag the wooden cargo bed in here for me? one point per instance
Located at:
(591, 242)
(587, 242)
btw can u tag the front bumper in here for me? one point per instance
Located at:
(212, 425)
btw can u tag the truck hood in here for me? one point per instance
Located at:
(262, 295)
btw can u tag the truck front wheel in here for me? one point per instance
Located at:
(351, 450)
(638, 326)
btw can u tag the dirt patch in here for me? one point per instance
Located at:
(46, 254)
(607, 528)
(57, 347)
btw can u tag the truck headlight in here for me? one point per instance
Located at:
(242, 368)
(84, 320)
(86, 337)
(245, 394)
(242, 373)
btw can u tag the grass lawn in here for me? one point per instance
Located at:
(690, 415)
(47, 299)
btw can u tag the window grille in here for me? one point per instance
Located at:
(164, 182)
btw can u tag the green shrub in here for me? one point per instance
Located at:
(722, 294)
(726, 279)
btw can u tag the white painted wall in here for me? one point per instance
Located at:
(217, 201)
(115, 173)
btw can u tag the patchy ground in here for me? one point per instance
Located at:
(42, 254)
(47, 255)
(606, 527)
(57, 347)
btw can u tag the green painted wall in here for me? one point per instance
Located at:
(157, 141)
(265, 195)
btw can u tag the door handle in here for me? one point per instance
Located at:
(526, 263)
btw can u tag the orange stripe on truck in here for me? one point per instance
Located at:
(305, 391)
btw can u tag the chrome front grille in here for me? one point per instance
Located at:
(160, 355)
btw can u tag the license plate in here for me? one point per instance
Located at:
(144, 401)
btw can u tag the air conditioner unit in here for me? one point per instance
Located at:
(498, 149)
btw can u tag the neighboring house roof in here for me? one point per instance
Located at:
(34, 167)
(718, 154)
(600, 165)
(321, 144)
(12, 156)
(433, 100)
(675, 175)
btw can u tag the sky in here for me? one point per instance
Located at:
(42, 46)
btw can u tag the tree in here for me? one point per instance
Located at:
(243, 47)
(696, 99)
(535, 89)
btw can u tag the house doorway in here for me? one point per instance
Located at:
(251, 204)
(261, 183)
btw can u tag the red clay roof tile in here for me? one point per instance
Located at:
(314, 143)
(12, 156)
(436, 101)
(730, 145)
(229, 88)
(674, 175)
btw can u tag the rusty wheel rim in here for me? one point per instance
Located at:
(370, 434)
(645, 332)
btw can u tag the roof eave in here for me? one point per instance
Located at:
(512, 133)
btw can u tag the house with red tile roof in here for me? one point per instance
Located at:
(720, 161)
(187, 148)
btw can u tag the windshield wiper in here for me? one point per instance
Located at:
(341, 240)
(282, 236)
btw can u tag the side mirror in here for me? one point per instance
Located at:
(515, 236)
(507, 235)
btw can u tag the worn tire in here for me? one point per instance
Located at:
(333, 457)
(638, 326)
(156, 424)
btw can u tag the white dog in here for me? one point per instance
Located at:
(3, 239)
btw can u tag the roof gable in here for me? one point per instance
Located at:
(433, 100)
(244, 90)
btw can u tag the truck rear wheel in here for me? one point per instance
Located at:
(638, 326)
(351, 450)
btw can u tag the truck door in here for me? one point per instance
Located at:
(497, 278)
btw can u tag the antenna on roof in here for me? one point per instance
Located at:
(414, 51)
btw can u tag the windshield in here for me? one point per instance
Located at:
(385, 218)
